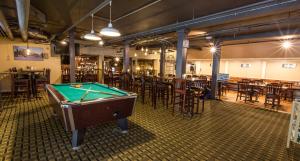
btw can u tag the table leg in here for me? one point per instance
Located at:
(123, 125)
(77, 138)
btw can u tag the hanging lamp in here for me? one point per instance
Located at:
(92, 35)
(27, 49)
(109, 30)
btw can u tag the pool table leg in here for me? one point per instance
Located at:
(123, 125)
(77, 138)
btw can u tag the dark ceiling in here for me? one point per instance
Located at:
(60, 14)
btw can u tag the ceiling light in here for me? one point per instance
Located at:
(101, 42)
(63, 42)
(208, 37)
(117, 59)
(146, 49)
(213, 49)
(142, 49)
(92, 36)
(135, 54)
(28, 51)
(286, 44)
(109, 30)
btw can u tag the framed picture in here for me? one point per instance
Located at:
(30, 54)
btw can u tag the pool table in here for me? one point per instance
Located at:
(79, 106)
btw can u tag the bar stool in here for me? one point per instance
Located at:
(160, 91)
(179, 93)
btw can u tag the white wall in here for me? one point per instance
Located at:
(260, 68)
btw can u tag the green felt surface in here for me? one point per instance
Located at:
(73, 94)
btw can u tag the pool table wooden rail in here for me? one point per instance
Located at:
(77, 116)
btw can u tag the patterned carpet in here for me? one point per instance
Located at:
(225, 131)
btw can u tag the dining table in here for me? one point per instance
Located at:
(32, 74)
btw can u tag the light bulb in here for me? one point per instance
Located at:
(213, 49)
(286, 44)
(28, 51)
(101, 43)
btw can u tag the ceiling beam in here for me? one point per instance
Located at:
(23, 7)
(99, 7)
(269, 34)
(137, 10)
(4, 25)
(248, 11)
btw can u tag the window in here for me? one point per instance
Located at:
(289, 66)
(245, 65)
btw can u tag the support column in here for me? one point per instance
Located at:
(215, 68)
(162, 62)
(72, 55)
(182, 45)
(126, 57)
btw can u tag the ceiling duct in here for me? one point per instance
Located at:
(37, 35)
(4, 27)
(23, 7)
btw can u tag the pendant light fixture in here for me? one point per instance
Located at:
(109, 30)
(27, 49)
(92, 35)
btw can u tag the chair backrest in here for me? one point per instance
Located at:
(245, 80)
(289, 85)
(179, 85)
(13, 69)
(243, 86)
(273, 88)
(203, 77)
(200, 83)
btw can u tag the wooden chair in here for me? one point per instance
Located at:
(40, 81)
(200, 89)
(273, 94)
(244, 90)
(20, 83)
(287, 91)
(203, 77)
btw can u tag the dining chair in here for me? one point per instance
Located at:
(243, 91)
(273, 94)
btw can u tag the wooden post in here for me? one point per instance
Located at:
(215, 68)
(126, 57)
(162, 62)
(72, 55)
(182, 45)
